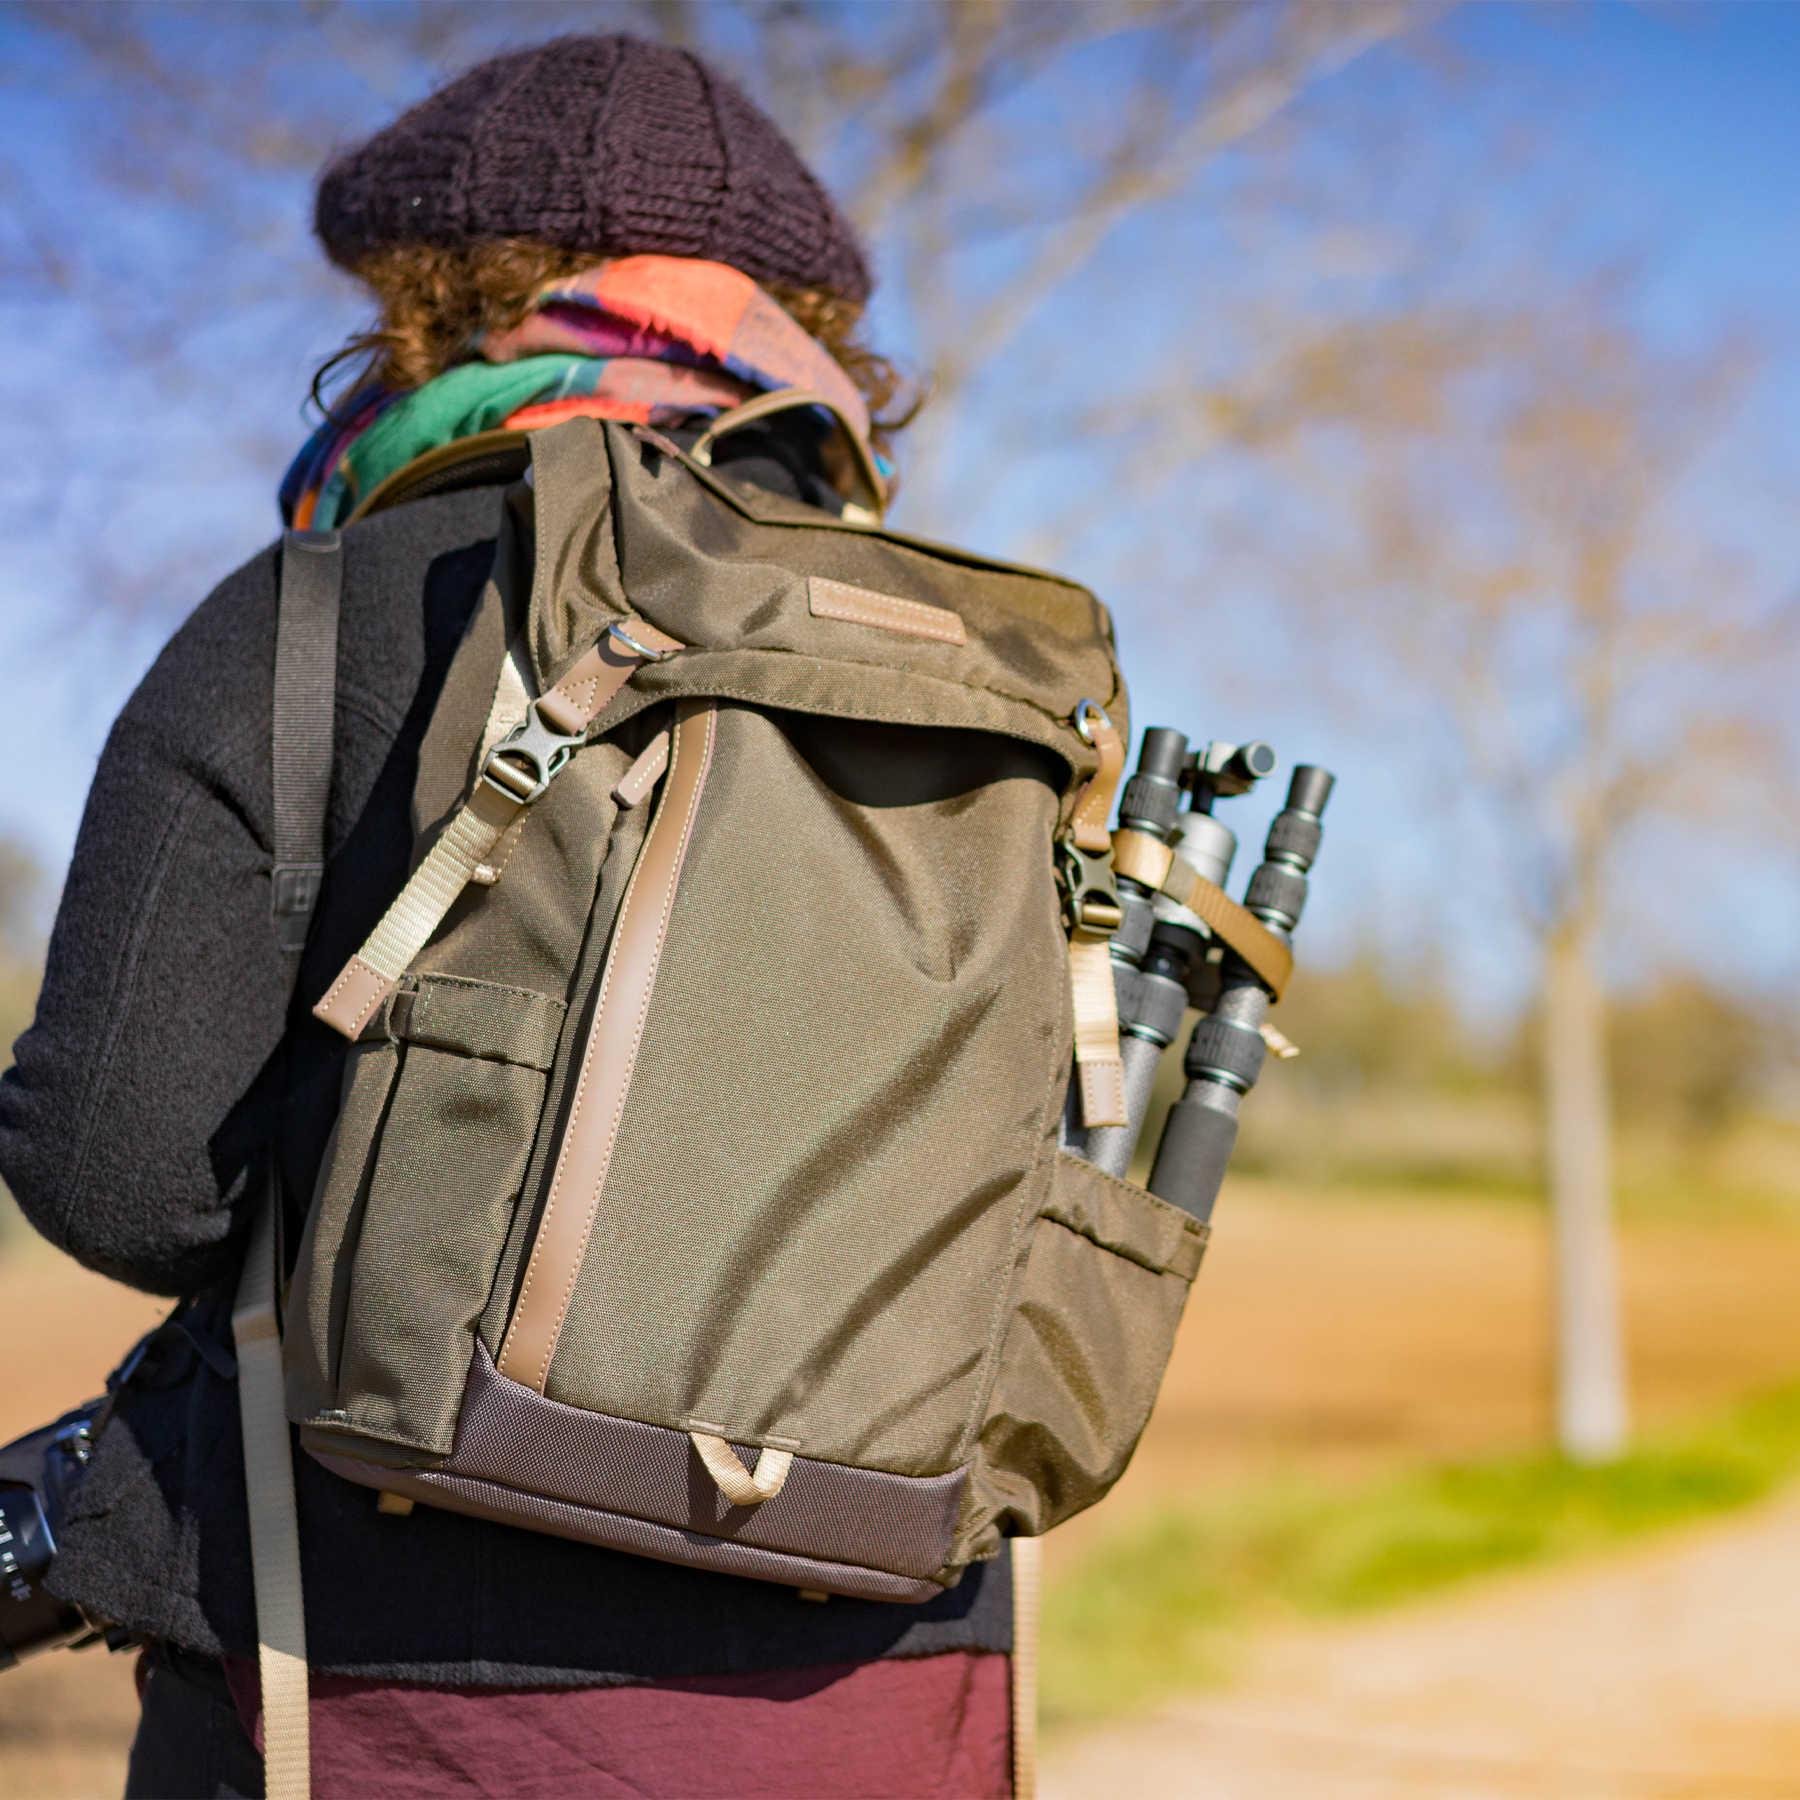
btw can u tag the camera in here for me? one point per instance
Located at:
(38, 1475)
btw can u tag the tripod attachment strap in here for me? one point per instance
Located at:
(1146, 860)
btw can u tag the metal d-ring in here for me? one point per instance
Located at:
(1086, 715)
(637, 649)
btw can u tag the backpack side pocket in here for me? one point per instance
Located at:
(1105, 1280)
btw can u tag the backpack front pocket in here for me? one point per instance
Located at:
(418, 1194)
(815, 1093)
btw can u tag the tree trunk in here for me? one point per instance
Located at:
(1591, 1419)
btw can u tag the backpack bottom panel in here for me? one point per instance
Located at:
(526, 1460)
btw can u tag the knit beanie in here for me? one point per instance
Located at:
(607, 144)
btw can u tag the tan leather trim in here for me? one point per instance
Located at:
(600, 671)
(353, 997)
(609, 1057)
(644, 774)
(888, 612)
(1094, 807)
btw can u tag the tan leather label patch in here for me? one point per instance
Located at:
(863, 606)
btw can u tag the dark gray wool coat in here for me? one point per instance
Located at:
(145, 1093)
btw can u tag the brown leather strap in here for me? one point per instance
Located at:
(637, 781)
(1145, 859)
(609, 1057)
(1094, 808)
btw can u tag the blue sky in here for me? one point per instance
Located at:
(1670, 134)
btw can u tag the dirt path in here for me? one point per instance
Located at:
(1343, 1335)
(1671, 1671)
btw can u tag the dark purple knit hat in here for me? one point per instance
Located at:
(608, 144)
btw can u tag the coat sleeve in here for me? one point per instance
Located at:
(139, 1095)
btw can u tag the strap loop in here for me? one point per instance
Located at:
(739, 1485)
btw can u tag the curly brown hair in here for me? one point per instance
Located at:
(436, 302)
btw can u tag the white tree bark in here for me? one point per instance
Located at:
(1591, 1410)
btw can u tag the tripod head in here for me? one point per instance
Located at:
(1219, 770)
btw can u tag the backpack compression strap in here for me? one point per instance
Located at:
(306, 633)
(514, 774)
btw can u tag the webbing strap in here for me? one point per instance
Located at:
(741, 1486)
(306, 637)
(1145, 859)
(1099, 1067)
(300, 748)
(515, 772)
(1026, 1565)
(274, 1529)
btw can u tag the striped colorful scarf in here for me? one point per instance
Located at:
(654, 339)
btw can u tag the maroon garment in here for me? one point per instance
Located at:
(906, 1728)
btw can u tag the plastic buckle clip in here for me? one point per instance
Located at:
(528, 759)
(1090, 890)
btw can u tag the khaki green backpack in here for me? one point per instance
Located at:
(696, 1189)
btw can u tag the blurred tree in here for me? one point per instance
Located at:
(983, 144)
(1690, 1059)
(1367, 1027)
(1594, 668)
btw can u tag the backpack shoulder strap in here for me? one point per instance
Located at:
(306, 636)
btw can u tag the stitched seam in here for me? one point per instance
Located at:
(637, 1038)
(490, 987)
(863, 606)
(1033, 1193)
(867, 597)
(383, 986)
(338, 986)
(554, 1197)
(581, 1085)
(920, 628)
(516, 830)
(649, 767)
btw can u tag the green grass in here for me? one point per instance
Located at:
(1165, 1602)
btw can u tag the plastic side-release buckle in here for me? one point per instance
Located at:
(528, 758)
(1090, 890)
